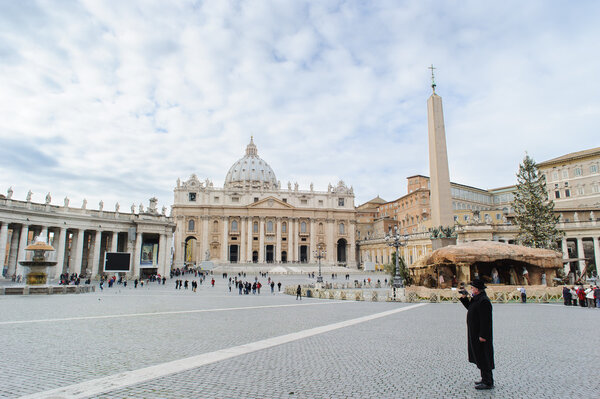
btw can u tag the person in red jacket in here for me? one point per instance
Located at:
(581, 296)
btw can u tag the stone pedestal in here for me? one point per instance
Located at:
(399, 294)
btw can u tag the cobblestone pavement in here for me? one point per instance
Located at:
(541, 350)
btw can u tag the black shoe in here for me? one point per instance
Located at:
(484, 386)
(479, 382)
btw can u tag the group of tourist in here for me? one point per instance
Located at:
(589, 297)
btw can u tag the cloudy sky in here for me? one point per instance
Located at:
(116, 100)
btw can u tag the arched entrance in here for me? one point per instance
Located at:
(190, 251)
(341, 250)
(233, 253)
(270, 253)
(283, 257)
(303, 253)
(255, 256)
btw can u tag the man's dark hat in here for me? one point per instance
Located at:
(477, 283)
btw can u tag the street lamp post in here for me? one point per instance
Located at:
(320, 254)
(397, 240)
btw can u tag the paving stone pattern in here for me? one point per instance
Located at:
(541, 350)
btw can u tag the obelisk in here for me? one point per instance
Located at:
(441, 197)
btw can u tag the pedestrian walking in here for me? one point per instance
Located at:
(523, 294)
(479, 332)
(299, 292)
(566, 295)
(279, 286)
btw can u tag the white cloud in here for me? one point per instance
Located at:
(117, 100)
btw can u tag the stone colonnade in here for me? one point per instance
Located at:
(81, 239)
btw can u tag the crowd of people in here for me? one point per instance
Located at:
(586, 298)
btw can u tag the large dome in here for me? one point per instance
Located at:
(251, 171)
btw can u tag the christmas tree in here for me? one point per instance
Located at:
(534, 211)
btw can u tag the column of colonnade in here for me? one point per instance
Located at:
(261, 240)
(3, 243)
(277, 257)
(243, 237)
(250, 226)
(225, 246)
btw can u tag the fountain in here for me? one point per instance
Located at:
(38, 264)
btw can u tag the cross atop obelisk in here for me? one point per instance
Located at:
(432, 77)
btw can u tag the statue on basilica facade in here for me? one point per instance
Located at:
(164, 211)
(178, 182)
(153, 204)
(101, 205)
(132, 209)
(29, 194)
(141, 207)
(66, 202)
(207, 255)
(84, 204)
(117, 206)
(296, 186)
(289, 186)
(48, 199)
(9, 193)
(312, 187)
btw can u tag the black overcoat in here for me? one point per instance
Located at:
(479, 324)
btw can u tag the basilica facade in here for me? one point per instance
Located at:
(252, 219)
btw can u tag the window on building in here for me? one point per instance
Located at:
(235, 199)
(217, 199)
(556, 185)
(192, 197)
(255, 227)
(284, 227)
(557, 194)
(580, 191)
(593, 169)
(269, 226)
(191, 225)
(303, 227)
(303, 202)
(567, 193)
(215, 226)
(595, 188)
(284, 200)
(578, 172)
(456, 218)
(234, 226)
(342, 228)
(565, 174)
(255, 199)
(566, 184)
(554, 175)
(320, 202)
(340, 202)
(466, 218)
(498, 216)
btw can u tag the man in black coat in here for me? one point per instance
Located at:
(479, 332)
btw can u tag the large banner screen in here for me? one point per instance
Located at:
(149, 255)
(117, 262)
